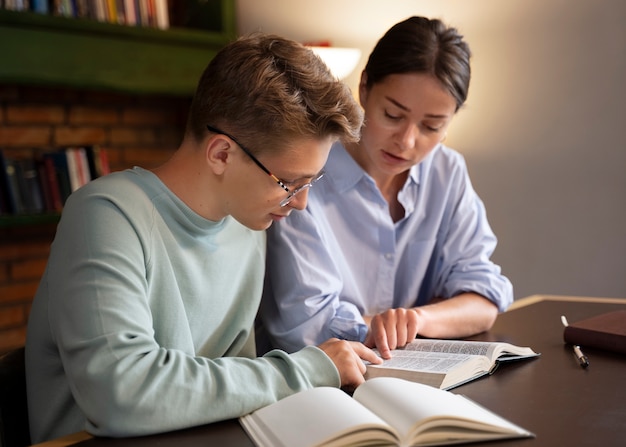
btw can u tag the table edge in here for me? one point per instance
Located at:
(532, 299)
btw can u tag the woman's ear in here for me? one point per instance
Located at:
(218, 153)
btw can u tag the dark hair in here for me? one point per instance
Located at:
(266, 90)
(422, 45)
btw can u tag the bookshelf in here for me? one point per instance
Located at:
(48, 50)
(65, 52)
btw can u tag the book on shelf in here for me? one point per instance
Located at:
(447, 364)
(606, 331)
(40, 6)
(12, 198)
(50, 184)
(75, 167)
(29, 186)
(147, 13)
(78, 167)
(21, 189)
(58, 162)
(33, 185)
(130, 11)
(98, 161)
(382, 411)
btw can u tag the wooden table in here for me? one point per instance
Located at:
(552, 396)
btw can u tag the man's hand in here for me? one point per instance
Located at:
(348, 357)
(392, 329)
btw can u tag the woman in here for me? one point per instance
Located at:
(394, 242)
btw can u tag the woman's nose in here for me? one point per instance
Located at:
(408, 136)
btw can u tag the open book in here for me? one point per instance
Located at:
(447, 364)
(383, 411)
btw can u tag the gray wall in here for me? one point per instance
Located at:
(542, 130)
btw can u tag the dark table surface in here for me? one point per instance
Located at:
(552, 396)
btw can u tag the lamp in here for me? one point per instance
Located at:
(341, 61)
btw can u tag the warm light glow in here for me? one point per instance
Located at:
(341, 61)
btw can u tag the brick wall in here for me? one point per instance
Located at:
(135, 130)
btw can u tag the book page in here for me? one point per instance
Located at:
(453, 347)
(425, 361)
(313, 417)
(435, 414)
(491, 350)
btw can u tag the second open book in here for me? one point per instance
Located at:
(447, 363)
(383, 411)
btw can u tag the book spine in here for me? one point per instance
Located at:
(30, 188)
(62, 174)
(82, 163)
(10, 196)
(72, 169)
(46, 192)
(52, 183)
(16, 5)
(103, 161)
(595, 339)
(97, 161)
(131, 14)
(10, 171)
(40, 6)
(111, 11)
(151, 13)
(100, 10)
(121, 12)
(81, 8)
(143, 14)
(162, 14)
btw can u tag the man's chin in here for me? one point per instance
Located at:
(258, 225)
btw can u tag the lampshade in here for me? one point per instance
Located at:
(341, 61)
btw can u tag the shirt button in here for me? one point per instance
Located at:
(389, 256)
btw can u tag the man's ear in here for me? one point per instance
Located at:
(219, 153)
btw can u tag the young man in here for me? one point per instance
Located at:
(143, 320)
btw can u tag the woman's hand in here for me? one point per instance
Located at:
(391, 329)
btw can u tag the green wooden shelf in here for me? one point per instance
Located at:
(42, 50)
(20, 220)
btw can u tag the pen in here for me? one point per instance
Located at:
(582, 358)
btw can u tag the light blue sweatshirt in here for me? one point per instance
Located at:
(143, 320)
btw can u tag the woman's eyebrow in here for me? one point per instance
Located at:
(406, 109)
(397, 104)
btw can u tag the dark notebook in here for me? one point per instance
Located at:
(606, 331)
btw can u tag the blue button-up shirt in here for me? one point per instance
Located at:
(344, 257)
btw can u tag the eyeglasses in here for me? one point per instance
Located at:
(280, 183)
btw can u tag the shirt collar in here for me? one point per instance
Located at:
(341, 168)
(346, 173)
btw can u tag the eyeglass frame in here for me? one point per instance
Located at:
(280, 183)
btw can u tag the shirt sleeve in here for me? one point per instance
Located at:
(301, 303)
(465, 246)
